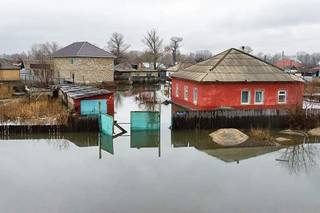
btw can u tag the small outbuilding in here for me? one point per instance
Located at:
(77, 98)
(235, 79)
(82, 62)
(8, 72)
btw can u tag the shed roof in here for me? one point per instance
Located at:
(179, 66)
(124, 67)
(77, 92)
(7, 65)
(234, 65)
(82, 49)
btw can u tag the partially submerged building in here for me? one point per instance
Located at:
(87, 100)
(234, 79)
(9, 72)
(82, 62)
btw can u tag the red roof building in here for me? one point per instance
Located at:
(236, 80)
(288, 64)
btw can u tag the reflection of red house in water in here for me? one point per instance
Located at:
(235, 79)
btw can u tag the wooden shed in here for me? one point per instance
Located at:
(73, 95)
(234, 79)
(9, 72)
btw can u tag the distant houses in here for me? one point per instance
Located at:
(82, 62)
(234, 79)
(9, 72)
(289, 65)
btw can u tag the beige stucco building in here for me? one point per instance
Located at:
(82, 62)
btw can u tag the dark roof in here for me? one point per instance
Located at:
(234, 65)
(76, 92)
(124, 67)
(82, 49)
(7, 65)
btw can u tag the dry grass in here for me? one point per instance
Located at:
(261, 134)
(40, 111)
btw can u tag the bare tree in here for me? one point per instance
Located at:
(38, 51)
(202, 55)
(42, 65)
(174, 46)
(154, 44)
(117, 46)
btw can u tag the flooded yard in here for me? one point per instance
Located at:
(176, 171)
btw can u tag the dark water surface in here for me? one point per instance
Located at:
(184, 172)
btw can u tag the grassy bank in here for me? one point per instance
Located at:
(34, 112)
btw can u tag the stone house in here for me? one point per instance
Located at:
(82, 62)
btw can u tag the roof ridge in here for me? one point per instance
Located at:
(83, 43)
(221, 59)
(263, 61)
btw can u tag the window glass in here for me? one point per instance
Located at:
(195, 95)
(186, 93)
(245, 97)
(259, 96)
(177, 90)
(282, 96)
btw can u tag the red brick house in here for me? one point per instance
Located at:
(236, 80)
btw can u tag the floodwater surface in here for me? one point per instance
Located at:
(148, 172)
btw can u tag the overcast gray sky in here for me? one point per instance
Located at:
(266, 25)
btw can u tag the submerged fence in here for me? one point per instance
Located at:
(267, 118)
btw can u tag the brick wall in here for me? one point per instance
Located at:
(85, 70)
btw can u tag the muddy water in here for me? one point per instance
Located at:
(178, 172)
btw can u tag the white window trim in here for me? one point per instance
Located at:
(195, 102)
(286, 96)
(177, 91)
(186, 97)
(249, 97)
(262, 91)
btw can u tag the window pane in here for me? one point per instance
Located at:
(245, 97)
(259, 97)
(195, 95)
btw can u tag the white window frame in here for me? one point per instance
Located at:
(177, 91)
(195, 97)
(255, 93)
(285, 96)
(249, 97)
(186, 93)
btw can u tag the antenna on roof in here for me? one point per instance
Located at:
(243, 48)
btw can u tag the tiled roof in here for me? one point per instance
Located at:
(288, 63)
(82, 49)
(234, 65)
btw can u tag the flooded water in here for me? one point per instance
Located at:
(147, 172)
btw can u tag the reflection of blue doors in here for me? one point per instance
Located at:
(106, 143)
(91, 107)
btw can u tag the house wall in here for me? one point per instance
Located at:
(219, 95)
(85, 70)
(108, 97)
(9, 75)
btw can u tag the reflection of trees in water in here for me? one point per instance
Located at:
(300, 158)
(118, 99)
(59, 144)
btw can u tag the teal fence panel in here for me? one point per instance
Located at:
(91, 107)
(106, 124)
(106, 143)
(145, 139)
(144, 120)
